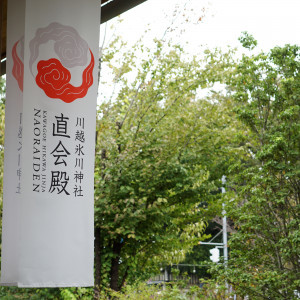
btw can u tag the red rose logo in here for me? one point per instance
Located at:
(54, 79)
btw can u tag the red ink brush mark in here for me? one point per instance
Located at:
(53, 78)
(18, 67)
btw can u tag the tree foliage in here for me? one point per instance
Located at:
(264, 252)
(160, 154)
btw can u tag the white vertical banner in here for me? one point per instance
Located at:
(13, 142)
(56, 226)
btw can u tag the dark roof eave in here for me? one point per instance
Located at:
(117, 7)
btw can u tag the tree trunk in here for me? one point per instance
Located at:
(114, 271)
(98, 247)
(123, 279)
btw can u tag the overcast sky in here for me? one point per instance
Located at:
(271, 22)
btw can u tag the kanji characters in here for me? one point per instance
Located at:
(59, 153)
(61, 126)
(59, 182)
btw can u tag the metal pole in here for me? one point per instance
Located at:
(225, 248)
(225, 235)
(166, 275)
(211, 244)
(225, 253)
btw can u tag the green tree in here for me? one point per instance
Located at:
(265, 203)
(159, 155)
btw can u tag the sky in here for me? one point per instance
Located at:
(200, 24)
(214, 22)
